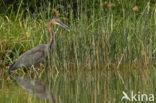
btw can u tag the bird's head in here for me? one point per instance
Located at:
(58, 22)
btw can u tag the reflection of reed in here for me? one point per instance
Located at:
(33, 86)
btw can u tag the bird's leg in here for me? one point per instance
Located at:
(35, 73)
(25, 70)
(36, 66)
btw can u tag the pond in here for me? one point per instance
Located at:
(108, 86)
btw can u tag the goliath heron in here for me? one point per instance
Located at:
(38, 53)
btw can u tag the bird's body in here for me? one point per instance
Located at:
(38, 53)
(31, 57)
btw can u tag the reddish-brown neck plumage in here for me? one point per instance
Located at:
(50, 31)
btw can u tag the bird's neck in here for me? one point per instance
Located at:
(51, 39)
(51, 34)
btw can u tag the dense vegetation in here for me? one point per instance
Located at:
(102, 33)
(113, 40)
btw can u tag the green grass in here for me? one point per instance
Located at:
(115, 47)
(101, 39)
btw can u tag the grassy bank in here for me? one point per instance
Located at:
(102, 40)
(114, 42)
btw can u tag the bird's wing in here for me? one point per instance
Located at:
(31, 57)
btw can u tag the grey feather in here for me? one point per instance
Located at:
(31, 57)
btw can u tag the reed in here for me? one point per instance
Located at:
(114, 38)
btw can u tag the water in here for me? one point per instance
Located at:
(78, 87)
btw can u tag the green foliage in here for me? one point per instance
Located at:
(115, 37)
(100, 33)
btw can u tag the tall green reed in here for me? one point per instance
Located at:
(100, 34)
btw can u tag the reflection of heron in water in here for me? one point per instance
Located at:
(36, 87)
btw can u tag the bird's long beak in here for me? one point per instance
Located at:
(63, 25)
